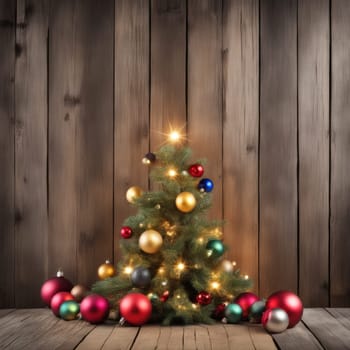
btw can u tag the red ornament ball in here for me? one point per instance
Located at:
(126, 232)
(245, 301)
(165, 296)
(196, 170)
(136, 308)
(58, 299)
(94, 308)
(204, 298)
(289, 302)
(53, 286)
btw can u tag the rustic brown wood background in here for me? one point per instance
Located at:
(262, 89)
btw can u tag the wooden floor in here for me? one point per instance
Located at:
(39, 329)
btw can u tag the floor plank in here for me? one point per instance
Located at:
(260, 338)
(147, 338)
(4, 312)
(239, 337)
(122, 338)
(202, 338)
(96, 338)
(218, 337)
(342, 315)
(190, 338)
(327, 329)
(298, 337)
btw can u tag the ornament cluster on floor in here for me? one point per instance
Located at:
(172, 269)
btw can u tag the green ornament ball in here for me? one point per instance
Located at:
(256, 311)
(215, 248)
(69, 310)
(233, 313)
(153, 297)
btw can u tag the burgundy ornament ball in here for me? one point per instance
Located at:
(245, 301)
(289, 302)
(165, 296)
(204, 298)
(136, 308)
(53, 286)
(219, 312)
(126, 232)
(94, 308)
(58, 299)
(196, 170)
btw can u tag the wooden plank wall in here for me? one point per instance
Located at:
(260, 87)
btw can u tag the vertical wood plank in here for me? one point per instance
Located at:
(340, 165)
(205, 90)
(7, 78)
(31, 151)
(62, 147)
(168, 68)
(241, 133)
(313, 87)
(81, 111)
(278, 147)
(131, 103)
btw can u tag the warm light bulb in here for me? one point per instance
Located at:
(161, 270)
(174, 136)
(234, 263)
(195, 306)
(215, 285)
(172, 172)
(128, 270)
(200, 240)
(180, 266)
(246, 277)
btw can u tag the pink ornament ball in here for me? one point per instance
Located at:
(245, 301)
(94, 308)
(58, 299)
(289, 302)
(136, 308)
(53, 286)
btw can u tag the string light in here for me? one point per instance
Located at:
(128, 270)
(194, 306)
(172, 172)
(234, 263)
(200, 240)
(215, 285)
(161, 270)
(180, 266)
(246, 277)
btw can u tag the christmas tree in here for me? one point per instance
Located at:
(172, 253)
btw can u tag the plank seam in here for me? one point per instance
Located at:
(259, 148)
(81, 340)
(330, 154)
(137, 334)
(310, 330)
(298, 154)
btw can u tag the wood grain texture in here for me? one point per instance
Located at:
(298, 337)
(7, 130)
(313, 92)
(85, 111)
(204, 91)
(342, 315)
(327, 329)
(340, 165)
(96, 338)
(239, 337)
(122, 338)
(131, 104)
(241, 133)
(278, 147)
(260, 338)
(147, 337)
(31, 180)
(168, 68)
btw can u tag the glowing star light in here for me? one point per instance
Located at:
(174, 136)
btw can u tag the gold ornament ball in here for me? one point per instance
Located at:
(150, 241)
(79, 292)
(106, 270)
(185, 202)
(226, 266)
(133, 193)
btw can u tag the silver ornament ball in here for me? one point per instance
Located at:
(276, 320)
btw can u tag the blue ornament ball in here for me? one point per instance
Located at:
(206, 185)
(69, 310)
